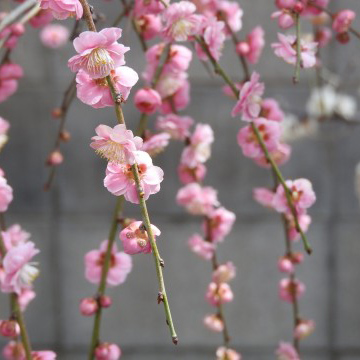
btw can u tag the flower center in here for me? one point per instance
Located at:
(112, 151)
(99, 63)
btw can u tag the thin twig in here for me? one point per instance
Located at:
(298, 50)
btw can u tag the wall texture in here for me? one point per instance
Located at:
(75, 216)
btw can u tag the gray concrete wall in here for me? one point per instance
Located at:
(75, 217)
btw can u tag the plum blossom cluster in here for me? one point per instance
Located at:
(17, 273)
(217, 224)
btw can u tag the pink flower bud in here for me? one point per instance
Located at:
(55, 158)
(105, 301)
(214, 323)
(107, 351)
(9, 328)
(285, 4)
(285, 265)
(219, 294)
(88, 306)
(13, 350)
(297, 258)
(224, 273)
(242, 48)
(298, 7)
(342, 20)
(343, 38)
(18, 29)
(147, 100)
(304, 329)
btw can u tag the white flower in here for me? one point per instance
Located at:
(346, 106)
(322, 102)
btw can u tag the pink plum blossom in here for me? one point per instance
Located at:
(214, 38)
(196, 199)
(286, 49)
(119, 178)
(6, 194)
(107, 351)
(14, 236)
(286, 18)
(223, 353)
(270, 132)
(199, 148)
(178, 60)
(189, 175)
(323, 36)
(270, 109)
(314, 7)
(155, 144)
(264, 197)
(19, 272)
(219, 294)
(180, 21)
(88, 306)
(201, 247)
(280, 156)
(54, 35)
(96, 92)
(179, 100)
(147, 100)
(289, 290)
(4, 128)
(302, 195)
(232, 12)
(14, 351)
(98, 52)
(145, 7)
(214, 323)
(304, 221)
(177, 126)
(304, 329)
(285, 265)
(117, 144)
(224, 273)
(343, 20)
(286, 351)
(249, 103)
(149, 25)
(120, 265)
(62, 9)
(135, 238)
(252, 48)
(9, 75)
(218, 224)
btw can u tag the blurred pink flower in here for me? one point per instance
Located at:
(14, 236)
(107, 351)
(289, 290)
(224, 273)
(286, 49)
(255, 43)
(19, 273)
(189, 175)
(264, 197)
(88, 306)
(249, 103)
(304, 328)
(6, 194)
(214, 323)
(156, 143)
(270, 132)
(62, 9)
(120, 265)
(180, 21)
(9, 74)
(218, 224)
(270, 109)
(286, 351)
(199, 148)
(219, 294)
(223, 353)
(54, 35)
(196, 199)
(147, 100)
(177, 126)
(343, 20)
(149, 25)
(200, 247)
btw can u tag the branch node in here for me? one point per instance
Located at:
(175, 340)
(160, 297)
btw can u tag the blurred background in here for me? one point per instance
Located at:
(74, 217)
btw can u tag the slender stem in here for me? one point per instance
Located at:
(117, 97)
(219, 70)
(159, 263)
(11, 18)
(298, 50)
(139, 35)
(165, 54)
(235, 41)
(15, 307)
(286, 189)
(104, 272)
